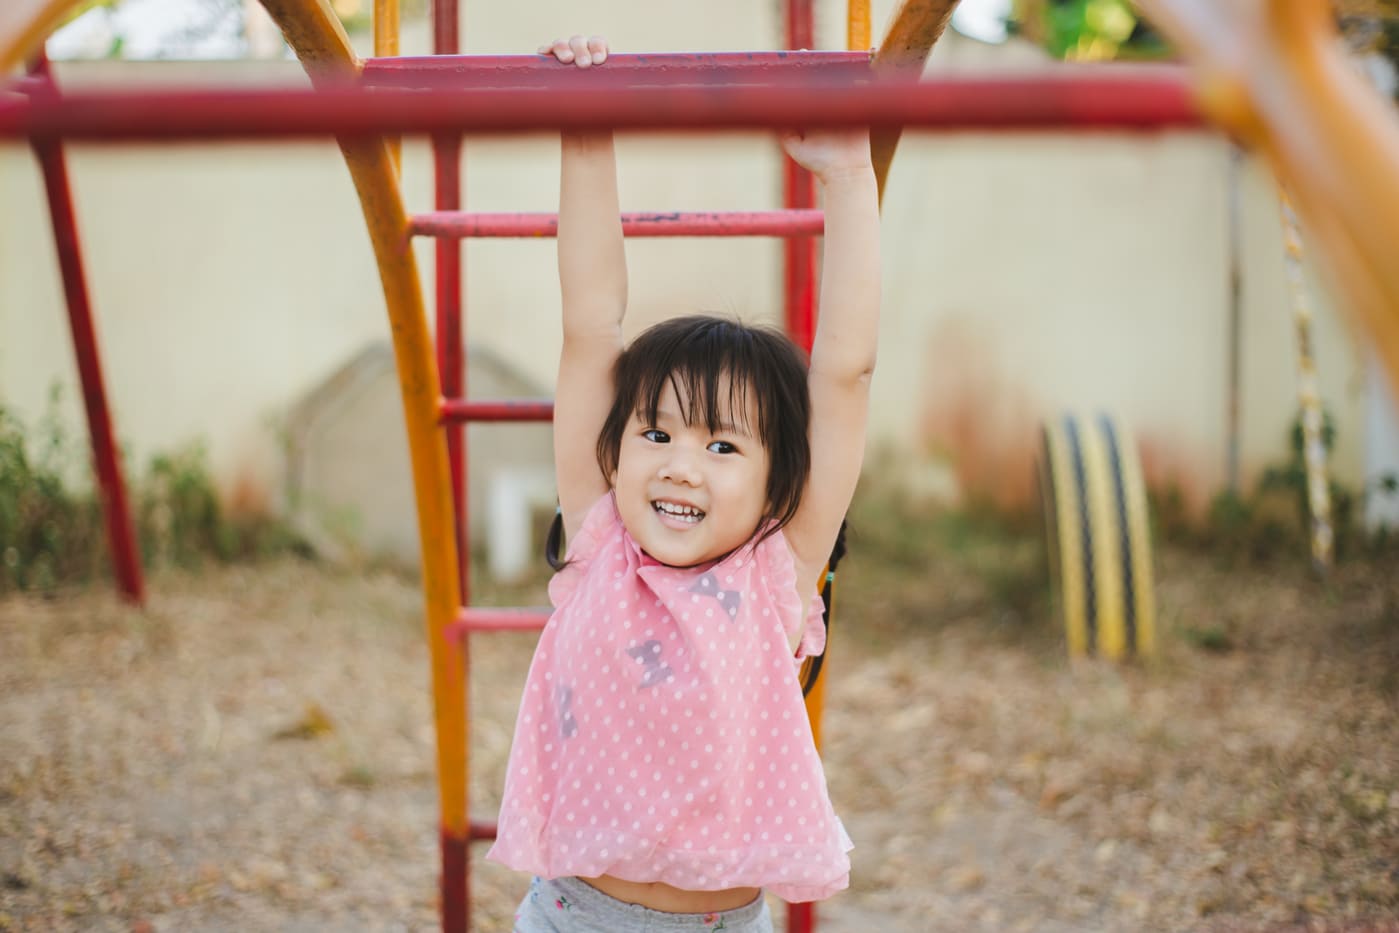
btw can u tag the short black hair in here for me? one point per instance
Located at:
(694, 354)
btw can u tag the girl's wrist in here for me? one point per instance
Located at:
(587, 139)
(857, 172)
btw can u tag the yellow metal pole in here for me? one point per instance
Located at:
(857, 25)
(1274, 73)
(386, 44)
(314, 32)
(917, 26)
(24, 24)
(816, 697)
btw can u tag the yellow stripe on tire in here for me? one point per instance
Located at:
(1099, 541)
(1063, 511)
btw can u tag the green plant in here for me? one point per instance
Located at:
(1088, 30)
(1273, 520)
(47, 533)
(53, 535)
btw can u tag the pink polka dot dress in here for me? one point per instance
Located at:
(662, 736)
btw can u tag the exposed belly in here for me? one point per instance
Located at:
(663, 897)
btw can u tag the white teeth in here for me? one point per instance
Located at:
(687, 513)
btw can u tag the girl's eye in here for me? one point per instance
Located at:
(656, 436)
(722, 447)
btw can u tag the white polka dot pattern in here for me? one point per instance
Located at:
(662, 735)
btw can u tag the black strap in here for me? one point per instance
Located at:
(553, 543)
(812, 669)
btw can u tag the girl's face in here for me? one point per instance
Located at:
(688, 496)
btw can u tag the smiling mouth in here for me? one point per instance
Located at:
(683, 513)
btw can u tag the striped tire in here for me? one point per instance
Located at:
(1099, 538)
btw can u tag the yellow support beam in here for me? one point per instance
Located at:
(24, 24)
(917, 26)
(1275, 74)
(386, 44)
(857, 25)
(315, 33)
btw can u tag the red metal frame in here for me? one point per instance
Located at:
(446, 165)
(799, 261)
(799, 193)
(1127, 98)
(446, 159)
(499, 619)
(116, 512)
(460, 409)
(650, 224)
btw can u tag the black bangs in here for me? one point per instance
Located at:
(717, 367)
(712, 372)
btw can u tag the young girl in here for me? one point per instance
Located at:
(663, 772)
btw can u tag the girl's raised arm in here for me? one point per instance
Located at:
(593, 281)
(843, 352)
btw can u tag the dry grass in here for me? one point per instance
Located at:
(254, 751)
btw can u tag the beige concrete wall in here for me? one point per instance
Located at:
(1023, 274)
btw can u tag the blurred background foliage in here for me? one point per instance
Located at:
(51, 527)
(1102, 30)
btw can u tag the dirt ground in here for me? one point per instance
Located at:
(254, 751)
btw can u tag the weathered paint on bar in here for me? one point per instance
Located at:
(655, 69)
(647, 224)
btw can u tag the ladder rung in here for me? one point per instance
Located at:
(493, 619)
(459, 225)
(653, 69)
(517, 409)
(478, 829)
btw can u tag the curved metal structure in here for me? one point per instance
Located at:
(1274, 74)
(314, 32)
(24, 24)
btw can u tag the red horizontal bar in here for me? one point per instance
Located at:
(1106, 97)
(492, 619)
(456, 225)
(663, 68)
(456, 409)
(480, 830)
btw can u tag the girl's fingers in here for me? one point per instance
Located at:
(580, 50)
(581, 56)
(559, 48)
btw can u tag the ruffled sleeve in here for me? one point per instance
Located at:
(781, 570)
(601, 518)
(813, 640)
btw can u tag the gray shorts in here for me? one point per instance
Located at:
(568, 905)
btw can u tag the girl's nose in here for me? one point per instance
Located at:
(680, 467)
